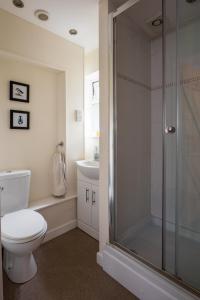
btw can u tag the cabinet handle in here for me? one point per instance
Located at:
(86, 195)
(93, 197)
(1, 188)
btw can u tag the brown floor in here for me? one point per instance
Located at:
(67, 270)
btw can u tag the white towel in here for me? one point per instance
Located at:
(59, 174)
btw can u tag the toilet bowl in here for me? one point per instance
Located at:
(22, 232)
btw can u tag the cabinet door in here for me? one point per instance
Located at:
(84, 202)
(95, 207)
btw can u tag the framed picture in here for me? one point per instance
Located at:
(19, 119)
(19, 91)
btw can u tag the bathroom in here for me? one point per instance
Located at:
(51, 66)
(99, 187)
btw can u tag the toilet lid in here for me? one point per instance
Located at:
(23, 225)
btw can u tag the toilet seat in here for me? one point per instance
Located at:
(22, 226)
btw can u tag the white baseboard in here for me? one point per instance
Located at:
(100, 259)
(57, 231)
(140, 280)
(89, 230)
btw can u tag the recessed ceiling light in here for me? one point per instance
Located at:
(42, 15)
(73, 31)
(18, 3)
(157, 22)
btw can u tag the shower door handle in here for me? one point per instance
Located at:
(170, 129)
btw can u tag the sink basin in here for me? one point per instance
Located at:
(89, 168)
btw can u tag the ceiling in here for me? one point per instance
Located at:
(142, 14)
(64, 15)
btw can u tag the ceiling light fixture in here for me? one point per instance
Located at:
(42, 15)
(18, 3)
(73, 31)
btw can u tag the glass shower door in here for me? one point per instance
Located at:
(187, 259)
(169, 135)
(138, 130)
(181, 213)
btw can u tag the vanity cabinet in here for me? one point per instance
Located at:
(88, 205)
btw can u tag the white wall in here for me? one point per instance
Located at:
(91, 62)
(91, 72)
(1, 270)
(25, 40)
(104, 121)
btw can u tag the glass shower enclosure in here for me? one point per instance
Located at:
(155, 136)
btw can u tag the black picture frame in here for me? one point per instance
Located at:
(22, 87)
(14, 114)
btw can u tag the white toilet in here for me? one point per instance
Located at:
(22, 229)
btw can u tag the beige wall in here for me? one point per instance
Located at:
(92, 62)
(91, 66)
(59, 215)
(30, 149)
(104, 123)
(1, 277)
(32, 43)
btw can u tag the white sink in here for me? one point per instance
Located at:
(89, 168)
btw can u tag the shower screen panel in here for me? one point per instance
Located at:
(188, 141)
(155, 198)
(138, 134)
